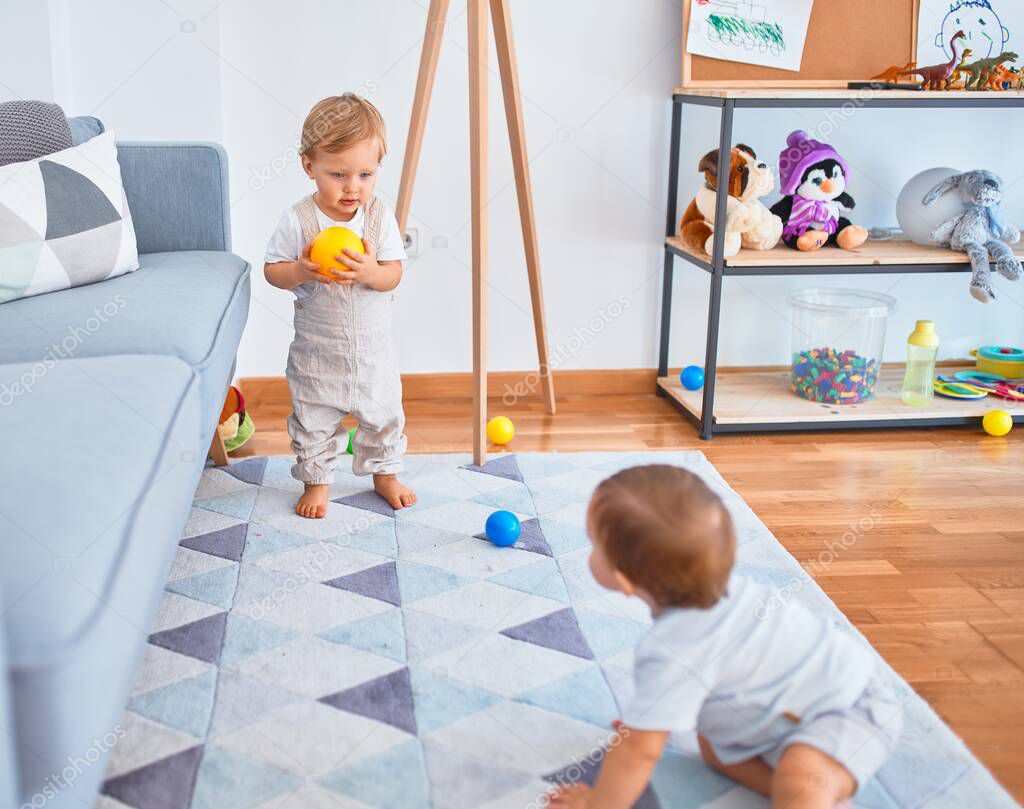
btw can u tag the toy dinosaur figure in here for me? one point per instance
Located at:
(1003, 78)
(980, 72)
(954, 81)
(939, 77)
(892, 74)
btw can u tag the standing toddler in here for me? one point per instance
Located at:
(342, 360)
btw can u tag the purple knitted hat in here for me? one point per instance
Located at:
(800, 154)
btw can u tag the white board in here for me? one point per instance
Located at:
(770, 33)
(992, 27)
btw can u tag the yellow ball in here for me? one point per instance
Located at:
(329, 243)
(997, 422)
(500, 430)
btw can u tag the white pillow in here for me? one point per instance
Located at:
(64, 221)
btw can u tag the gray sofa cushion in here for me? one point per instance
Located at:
(178, 195)
(185, 305)
(31, 129)
(83, 483)
(107, 463)
(173, 304)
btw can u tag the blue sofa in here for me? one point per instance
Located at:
(109, 397)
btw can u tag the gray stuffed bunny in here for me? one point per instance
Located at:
(981, 230)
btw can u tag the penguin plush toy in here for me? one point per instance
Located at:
(813, 180)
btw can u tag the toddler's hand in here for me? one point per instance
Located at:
(308, 271)
(363, 267)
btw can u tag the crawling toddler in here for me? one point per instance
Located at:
(342, 360)
(783, 700)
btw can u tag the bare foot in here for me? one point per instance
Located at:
(397, 494)
(852, 236)
(812, 240)
(313, 503)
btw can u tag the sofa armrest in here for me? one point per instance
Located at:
(177, 194)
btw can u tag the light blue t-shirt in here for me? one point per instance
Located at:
(742, 668)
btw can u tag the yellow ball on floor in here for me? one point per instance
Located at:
(997, 422)
(500, 430)
(329, 243)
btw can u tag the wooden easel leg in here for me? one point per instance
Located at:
(217, 450)
(436, 17)
(520, 161)
(478, 57)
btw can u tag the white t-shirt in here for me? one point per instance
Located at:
(732, 671)
(286, 243)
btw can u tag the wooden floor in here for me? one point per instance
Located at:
(934, 576)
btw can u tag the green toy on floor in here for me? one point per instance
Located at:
(235, 425)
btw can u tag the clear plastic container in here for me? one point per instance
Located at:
(838, 338)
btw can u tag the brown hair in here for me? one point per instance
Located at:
(665, 531)
(338, 122)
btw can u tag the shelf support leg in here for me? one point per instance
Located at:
(707, 413)
(670, 230)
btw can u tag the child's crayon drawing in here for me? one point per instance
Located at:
(770, 33)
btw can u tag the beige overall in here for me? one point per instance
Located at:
(342, 361)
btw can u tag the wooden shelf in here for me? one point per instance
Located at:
(759, 398)
(898, 255)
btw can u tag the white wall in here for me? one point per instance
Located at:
(148, 69)
(25, 64)
(596, 77)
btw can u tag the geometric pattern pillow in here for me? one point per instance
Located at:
(64, 221)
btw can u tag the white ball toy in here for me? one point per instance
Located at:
(917, 220)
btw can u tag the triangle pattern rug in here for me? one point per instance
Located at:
(400, 661)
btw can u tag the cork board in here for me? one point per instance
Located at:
(846, 41)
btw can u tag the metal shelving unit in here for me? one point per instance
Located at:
(873, 258)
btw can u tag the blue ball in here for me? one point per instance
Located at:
(502, 528)
(692, 377)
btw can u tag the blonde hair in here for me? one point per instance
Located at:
(667, 532)
(339, 122)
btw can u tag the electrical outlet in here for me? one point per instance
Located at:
(412, 242)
